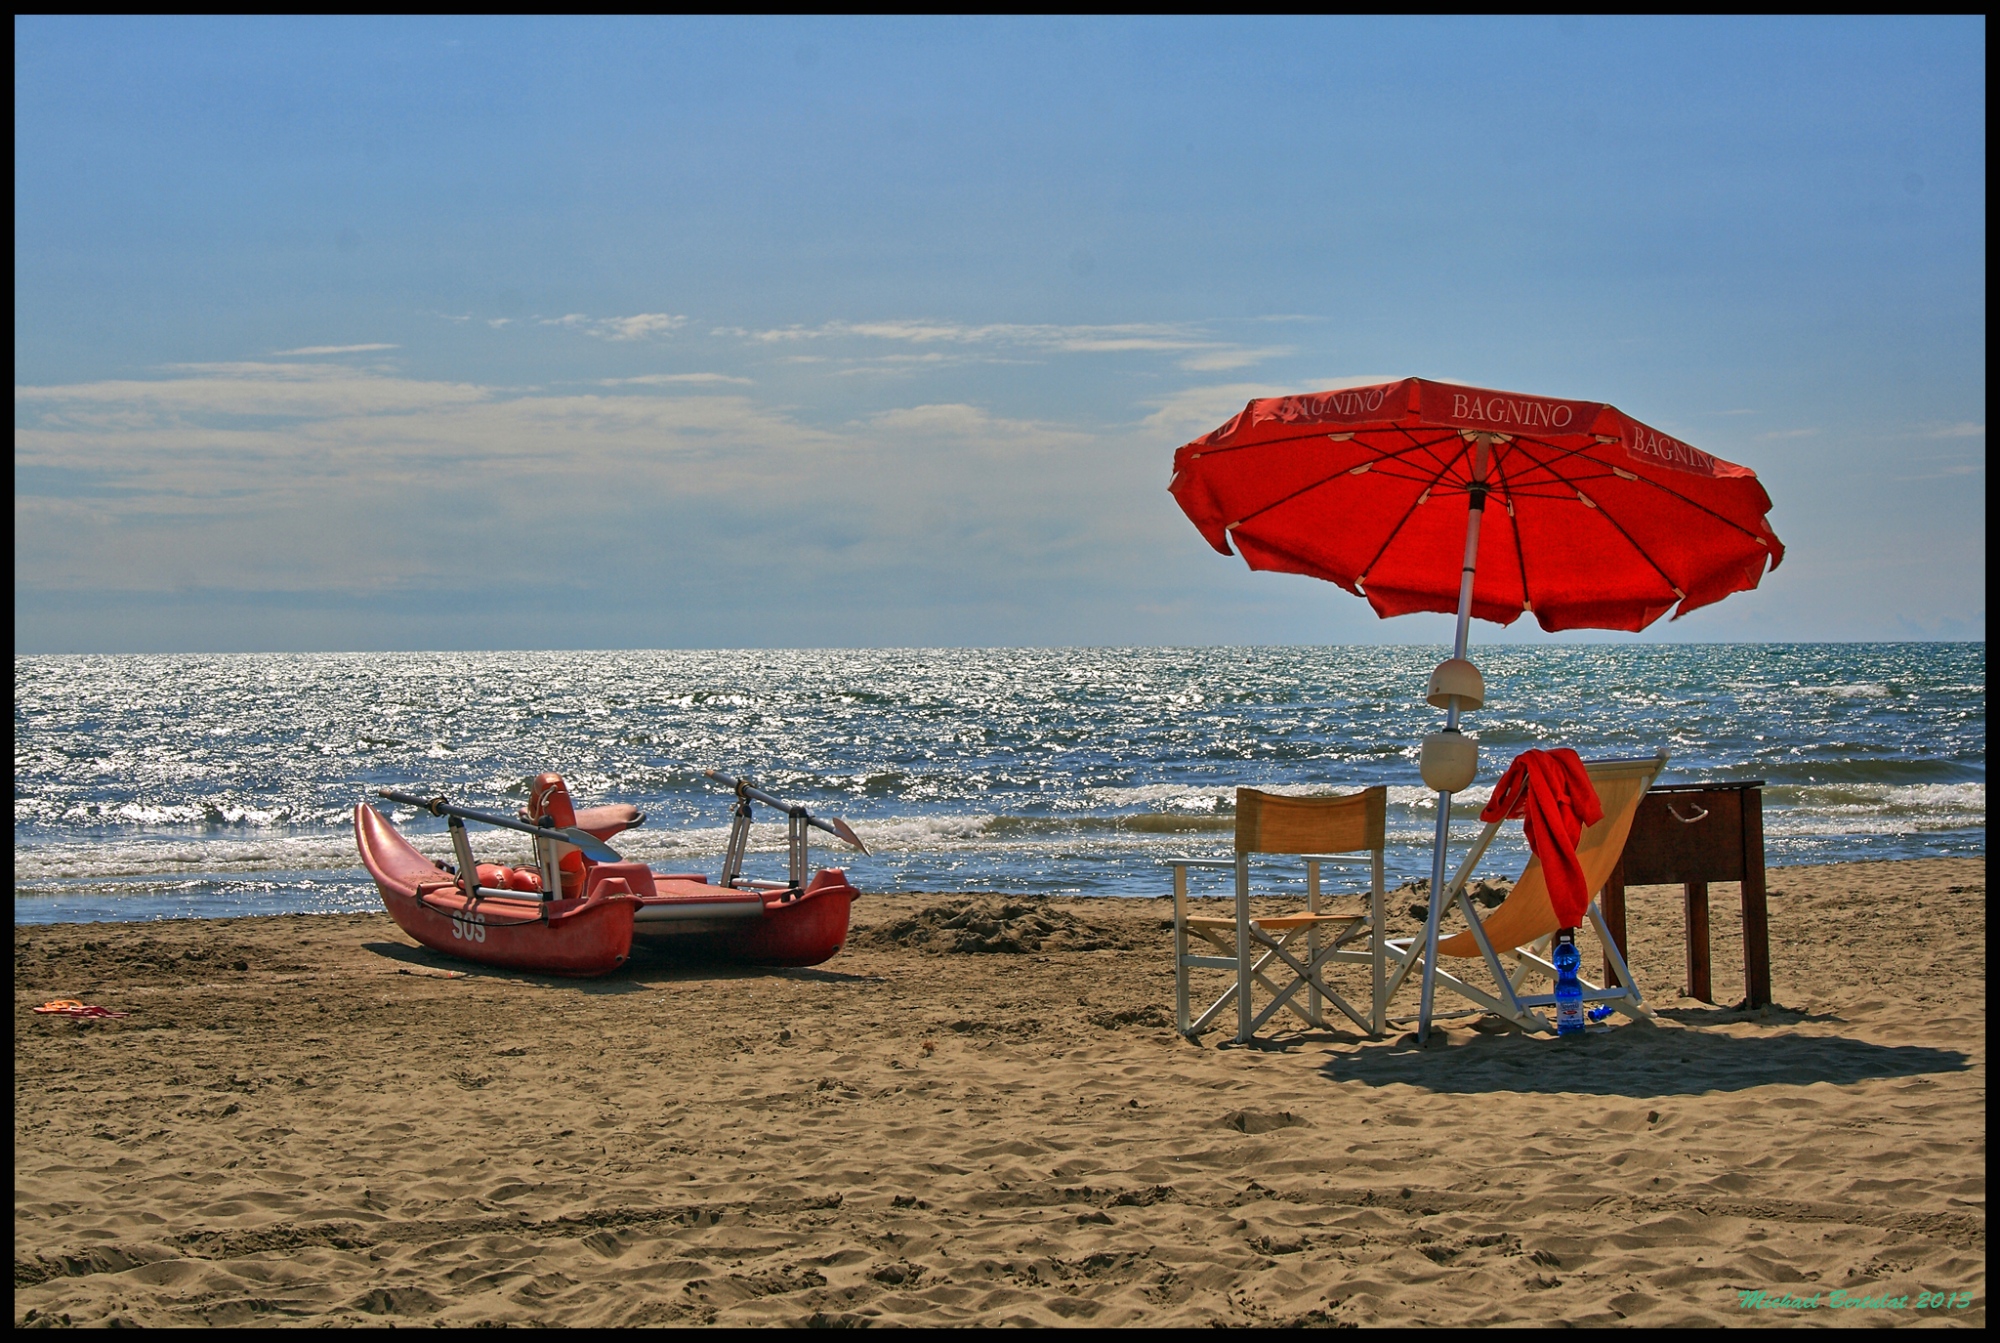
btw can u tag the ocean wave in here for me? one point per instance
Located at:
(1961, 797)
(1860, 824)
(156, 856)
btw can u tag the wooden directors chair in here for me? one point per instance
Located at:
(1318, 830)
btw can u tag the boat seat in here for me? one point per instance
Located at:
(699, 891)
(606, 821)
(638, 878)
(603, 822)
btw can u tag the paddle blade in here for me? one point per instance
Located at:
(846, 832)
(593, 847)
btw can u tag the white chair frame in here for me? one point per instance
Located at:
(1276, 947)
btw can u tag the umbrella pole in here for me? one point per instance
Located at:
(1475, 511)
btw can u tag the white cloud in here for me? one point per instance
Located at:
(336, 349)
(1226, 360)
(1963, 429)
(670, 379)
(1789, 433)
(953, 419)
(639, 326)
(1068, 339)
(243, 389)
(893, 364)
(1193, 411)
(1948, 471)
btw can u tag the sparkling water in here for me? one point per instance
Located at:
(153, 786)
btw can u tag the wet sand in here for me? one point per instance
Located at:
(313, 1121)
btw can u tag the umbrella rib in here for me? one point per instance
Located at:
(1361, 575)
(1264, 443)
(1444, 465)
(1520, 555)
(1668, 490)
(1276, 503)
(1323, 432)
(1615, 525)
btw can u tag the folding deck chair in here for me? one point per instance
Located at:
(1352, 828)
(1525, 923)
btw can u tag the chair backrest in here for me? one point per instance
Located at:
(1526, 913)
(1279, 823)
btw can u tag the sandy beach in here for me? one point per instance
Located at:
(311, 1120)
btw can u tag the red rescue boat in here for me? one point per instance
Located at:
(499, 915)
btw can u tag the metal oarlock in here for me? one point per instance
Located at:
(795, 848)
(798, 825)
(548, 864)
(832, 825)
(461, 847)
(739, 837)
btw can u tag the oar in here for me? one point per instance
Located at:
(437, 806)
(835, 827)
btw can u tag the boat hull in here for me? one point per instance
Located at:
(791, 929)
(576, 937)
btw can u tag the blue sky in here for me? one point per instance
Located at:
(347, 334)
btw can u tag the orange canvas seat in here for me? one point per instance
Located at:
(1526, 920)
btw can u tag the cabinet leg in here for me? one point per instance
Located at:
(1756, 913)
(1612, 902)
(1695, 900)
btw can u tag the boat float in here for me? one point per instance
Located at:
(577, 910)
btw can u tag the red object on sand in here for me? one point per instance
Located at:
(1555, 800)
(69, 1007)
(1596, 520)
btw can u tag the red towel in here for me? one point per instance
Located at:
(70, 1007)
(1553, 795)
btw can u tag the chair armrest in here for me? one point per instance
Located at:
(1218, 863)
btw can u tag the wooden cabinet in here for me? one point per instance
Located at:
(1689, 834)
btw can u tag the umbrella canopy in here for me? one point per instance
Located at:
(1595, 521)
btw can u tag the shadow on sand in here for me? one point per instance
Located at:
(649, 966)
(1635, 1062)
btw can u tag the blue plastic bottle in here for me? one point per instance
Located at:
(1569, 991)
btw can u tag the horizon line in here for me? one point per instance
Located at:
(999, 648)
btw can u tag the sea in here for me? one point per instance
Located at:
(205, 786)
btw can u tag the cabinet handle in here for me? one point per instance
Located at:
(1700, 813)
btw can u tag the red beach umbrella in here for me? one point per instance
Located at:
(1430, 496)
(1599, 521)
